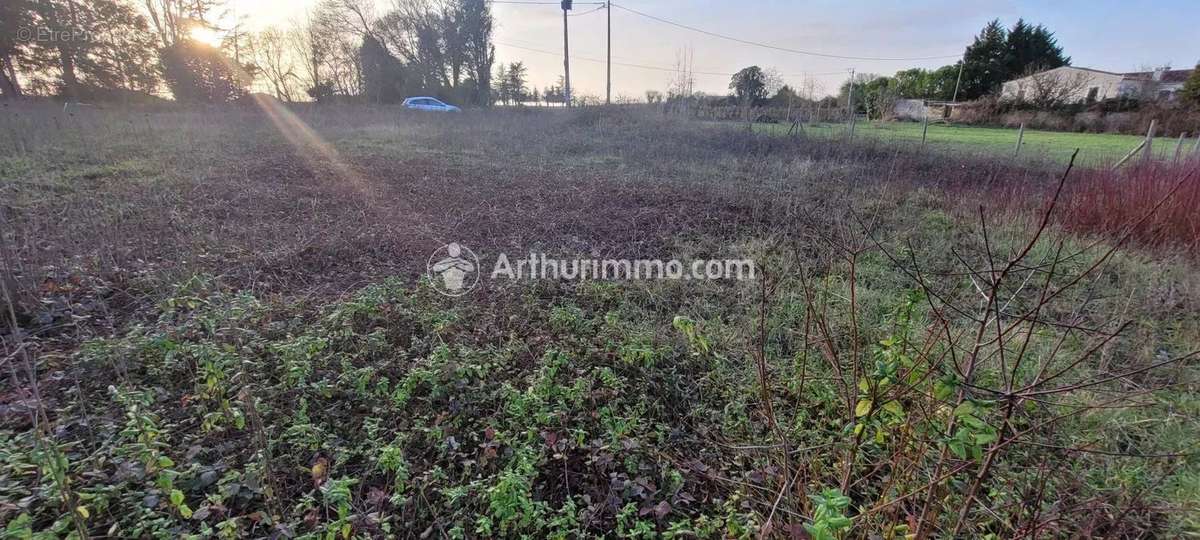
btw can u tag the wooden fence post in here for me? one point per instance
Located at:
(924, 126)
(1129, 155)
(1179, 146)
(1147, 150)
(1020, 137)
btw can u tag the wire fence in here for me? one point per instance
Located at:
(1096, 150)
(26, 128)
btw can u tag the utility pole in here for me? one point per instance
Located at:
(850, 102)
(566, 6)
(961, 63)
(608, 71)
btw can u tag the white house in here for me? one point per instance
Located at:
(1161, 83)
(1073, 84)
(1070, 84)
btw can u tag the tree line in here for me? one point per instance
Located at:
(339, 50)
(105, 50)
(996, 55)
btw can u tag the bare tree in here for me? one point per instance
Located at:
(442, 45)
(357, 15)
(173, 19)
(454, 40)
(13, 17)
(474, 20)
(310, 52)
(328, 41)
(810, 88)
(684, 82)
(414, 31)
(773, 80)
(1051, 88)
(270, 53)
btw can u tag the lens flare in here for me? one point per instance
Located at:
(205, 35)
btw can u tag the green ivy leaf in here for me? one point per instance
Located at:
(973, 422)
(943, 389)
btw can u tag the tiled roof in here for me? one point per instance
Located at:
(1095, 70)
(1172, 75)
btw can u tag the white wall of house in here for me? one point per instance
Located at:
(1097, 85)
(910, 109)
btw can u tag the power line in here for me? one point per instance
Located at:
(626, 64)
(540, 3)
(587, 12)
(656, 68)
(775, 47)
(518, 43)
(537, 3)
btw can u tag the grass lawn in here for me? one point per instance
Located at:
(1095, 149)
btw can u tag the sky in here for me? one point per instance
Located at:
(1101, 34)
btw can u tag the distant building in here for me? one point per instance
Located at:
(910, 109)
(1161, 83)
(921, 109)
(1070, 84)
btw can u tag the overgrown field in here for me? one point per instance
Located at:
(1095, 149)
(221, 326)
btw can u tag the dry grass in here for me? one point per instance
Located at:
(210, 269)
(165, 194)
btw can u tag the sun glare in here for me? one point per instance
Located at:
(206, 35)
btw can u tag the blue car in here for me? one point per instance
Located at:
(429, 104)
